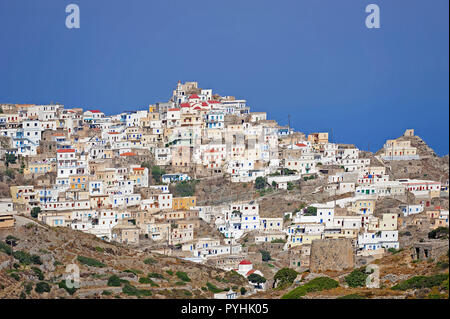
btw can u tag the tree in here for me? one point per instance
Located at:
(265, 255)
(285, 276)
(357, 278)
(311, 211)
(274, 184)
(185, 188)
(243, 291)
(440, 232)
(35, 212)
(256, 279)
(11, 240)
(10, 158)
(157, 173)
(260, 182)
(41, 287)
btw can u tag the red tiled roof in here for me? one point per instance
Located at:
(204, 104)
(174, 109)
(213, 102)
(250, 272)
(94, 111)
(300, 145)
(185, 105)
(245, 262)
(194, 96)
(128, 154)
(113, 132)
(66, 151)
(197, 108)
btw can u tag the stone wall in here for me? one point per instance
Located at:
(331, 254)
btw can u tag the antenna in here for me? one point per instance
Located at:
(289, 128)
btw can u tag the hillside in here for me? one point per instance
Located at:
(395, 268)
(59, 247)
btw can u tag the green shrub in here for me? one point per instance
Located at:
(99, 249)
(285, 276)
(5, 248)
(243, 291)
(442, 265)
(62, 284)
(357, 278)
(444, 285)
(311, 211)
(155, 275)
(135, 272)
(11, 240)
(38, 273)
(439, 233)
(213, 288)
(145, 280)
(278, 241)
(28, 287)
(16, 276)
(41, 287)
(180, 283)
(106, 293)
(157, 173)
(114, 281)
(169, 272)
(90, 261)
(26, 259)
(130, 290)
(150, 261)
(183, 276)
(185, 188)
(260, 182)
(317, 284)
(418, 282)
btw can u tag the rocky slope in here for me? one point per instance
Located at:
(59, 247)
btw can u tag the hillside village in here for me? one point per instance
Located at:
(203, 182)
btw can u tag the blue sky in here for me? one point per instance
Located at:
(312, 59)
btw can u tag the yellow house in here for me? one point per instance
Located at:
(184, 202)
(363, 206)
(297, 240)
(318, 138)
(388, 222)
(79, 182)
(39, 168)
(22, 194)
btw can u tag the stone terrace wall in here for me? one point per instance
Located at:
(331, 254)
